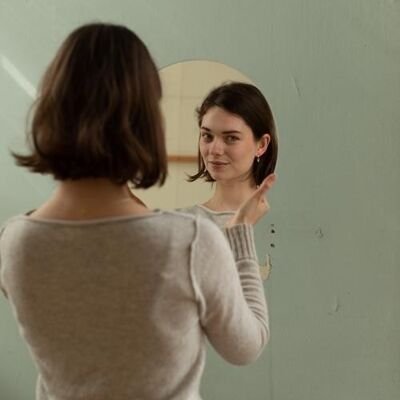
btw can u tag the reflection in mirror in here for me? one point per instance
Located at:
(185, 86)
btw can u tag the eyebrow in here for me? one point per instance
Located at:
(204, 128)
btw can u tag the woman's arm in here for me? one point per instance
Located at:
(229, 290)
(226, 278)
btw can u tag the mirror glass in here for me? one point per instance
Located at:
(185, 85)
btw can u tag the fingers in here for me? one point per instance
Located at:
(256, 206)
(267, 183)
(270, 180)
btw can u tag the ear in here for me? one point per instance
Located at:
(262, 144)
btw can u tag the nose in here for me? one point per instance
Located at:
(216, 147)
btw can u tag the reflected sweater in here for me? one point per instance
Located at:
(119, 308)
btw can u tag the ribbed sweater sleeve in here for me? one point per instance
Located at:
(229, 290)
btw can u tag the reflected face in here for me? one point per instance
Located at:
(227, 145)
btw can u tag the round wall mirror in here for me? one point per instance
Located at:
(185, 85)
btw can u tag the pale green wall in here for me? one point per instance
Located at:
(331, 72)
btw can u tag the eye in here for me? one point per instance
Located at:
(231, 139)
(206, 137)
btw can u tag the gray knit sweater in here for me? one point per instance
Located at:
(119, 308)
(220, 218)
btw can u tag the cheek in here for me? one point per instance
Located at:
(245, 156)
(203, 149)
(244, 152)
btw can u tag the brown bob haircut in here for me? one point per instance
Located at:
(246, 101)
(97, 114)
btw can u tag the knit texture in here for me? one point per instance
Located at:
(119, 308)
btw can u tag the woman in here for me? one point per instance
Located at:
(114, 300)
(237, 149)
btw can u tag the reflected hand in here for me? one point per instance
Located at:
(255, 207)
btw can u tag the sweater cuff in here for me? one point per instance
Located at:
(241, 240)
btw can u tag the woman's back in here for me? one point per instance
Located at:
(118, 307)
(114, 300)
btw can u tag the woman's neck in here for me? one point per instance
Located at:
(90, 198)
(228, 196)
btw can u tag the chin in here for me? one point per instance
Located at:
(221, 178)
(216, 177)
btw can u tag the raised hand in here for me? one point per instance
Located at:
(255, 207)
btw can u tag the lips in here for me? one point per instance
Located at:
(218, 163)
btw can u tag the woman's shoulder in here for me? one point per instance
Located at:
(10, 221)
(202, 209)
(198, 211)
(220, 218)
(179, 214)
(13, 231)
(195, 209)
(191, 215)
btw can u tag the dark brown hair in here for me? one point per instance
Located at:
(97, 114)
(246, 101)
